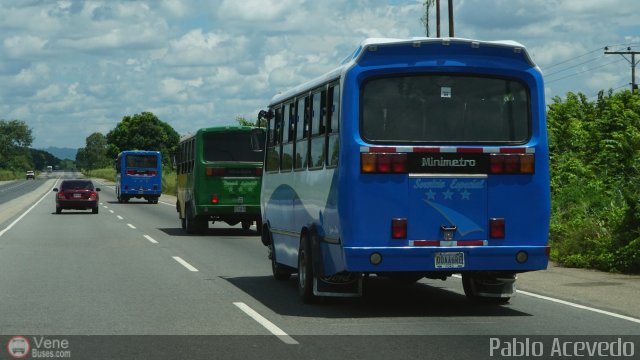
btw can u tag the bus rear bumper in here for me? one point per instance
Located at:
(456, 259)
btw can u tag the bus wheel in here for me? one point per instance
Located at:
(246, 225)
(190, 223)
(183, 223)
(305, 271)
(477, 289)
(280, 272)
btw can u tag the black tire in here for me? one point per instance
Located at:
(280, 272)
(193, 225)
(58, 210)
(259, 226)
(305, 271)
(94, 210)
(183, 223)
(189, 224)
(471, 293)
(246, 225)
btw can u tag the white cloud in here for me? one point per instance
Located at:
(201, 63)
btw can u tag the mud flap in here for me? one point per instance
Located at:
(337, 285)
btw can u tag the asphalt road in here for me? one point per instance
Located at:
(131, 270)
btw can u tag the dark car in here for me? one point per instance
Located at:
(78, 195)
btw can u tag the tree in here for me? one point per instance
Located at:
(260, 122)
(143, 132)
(15, 139)
(95, 155)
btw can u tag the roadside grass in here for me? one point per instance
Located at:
(109, 174)
(10, 175)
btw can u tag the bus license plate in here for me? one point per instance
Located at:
(239, 209)
(449, 260)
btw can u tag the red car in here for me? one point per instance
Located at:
(77, 194)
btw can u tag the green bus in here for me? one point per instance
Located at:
(219, 176)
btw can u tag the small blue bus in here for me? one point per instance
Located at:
(422, 157)
(138, 175)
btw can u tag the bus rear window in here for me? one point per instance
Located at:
(141, 161)
(444, 109)
(231, 146)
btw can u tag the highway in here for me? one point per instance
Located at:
(131, 270)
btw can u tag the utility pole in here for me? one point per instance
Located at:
(633, 62)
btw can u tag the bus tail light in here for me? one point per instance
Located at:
(496, 228)
(398, 228)
(152, 172)
(259, 171)
(131, 172)
(512, 164)
(215, 199)
(215, 171)
(383, 163)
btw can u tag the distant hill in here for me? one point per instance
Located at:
(62, 153)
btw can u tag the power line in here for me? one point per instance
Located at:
(584, 71)
(572, 59)
(614, 89)
(574, 66)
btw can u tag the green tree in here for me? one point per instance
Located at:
(95, 152)
(15, 139)
(259, 122)
(41, 159)
(143, 132)
(595, 176)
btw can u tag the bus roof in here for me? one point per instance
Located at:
(139, 152)
(372, 45)
(217, 129)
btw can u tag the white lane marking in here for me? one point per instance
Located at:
(131, 226)
(577, 306)
(166, 203)
(119, 217)
(105, 206)
(283, 336)
(150, 239)
(25, 213)
(185, 264)
(111, 211)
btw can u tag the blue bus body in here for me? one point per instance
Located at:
(139, 175)
(437, 164)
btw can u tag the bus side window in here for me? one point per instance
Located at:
(333, 125)
(302, 133)
(317, 151)
(273, 141)
(287, 141)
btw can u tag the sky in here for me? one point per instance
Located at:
(70, 68)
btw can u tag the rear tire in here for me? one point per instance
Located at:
(193, 225)
(246, 225)
(305, 271)
(469, 284)
(280, 272)
(58, 210)
(94, 210)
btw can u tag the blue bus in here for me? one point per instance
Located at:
(424, 157)
(138, 175)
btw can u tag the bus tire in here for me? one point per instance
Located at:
(259, 226)
(305, 271)
(280, 272)
(191, 223)
(470, 286)
(246, 225)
